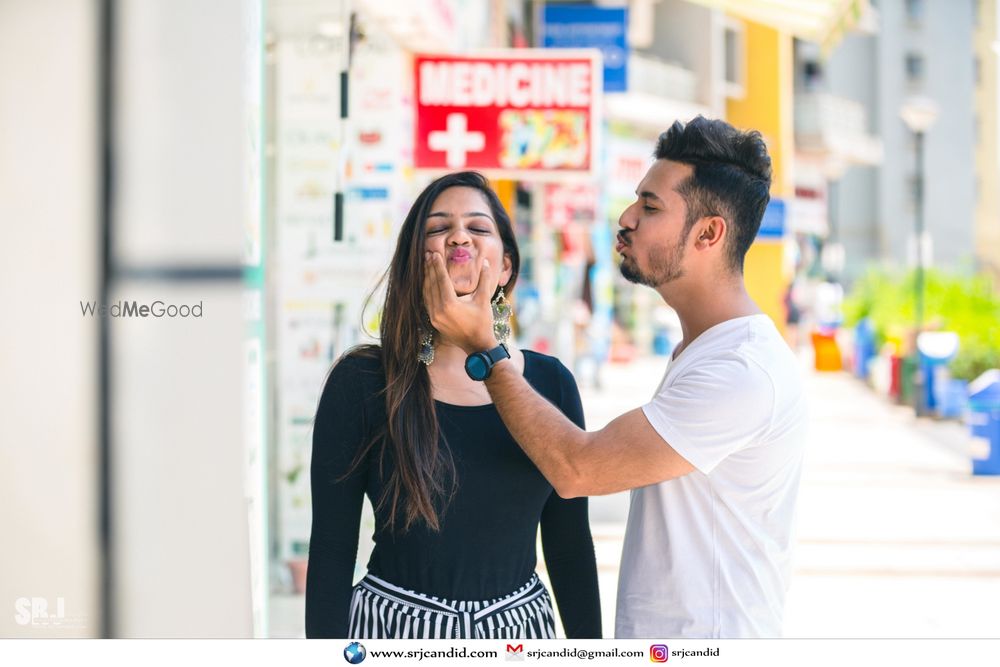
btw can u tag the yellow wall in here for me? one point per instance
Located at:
(987, 229)
(507, 193)
(767, 280)
(767, 107)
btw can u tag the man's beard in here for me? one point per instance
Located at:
(664, 266)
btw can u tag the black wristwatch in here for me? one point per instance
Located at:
(479, 364)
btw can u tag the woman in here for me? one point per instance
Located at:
(457, 503)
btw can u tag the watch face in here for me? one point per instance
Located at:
(477, 366)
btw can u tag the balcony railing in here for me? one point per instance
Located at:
(652, 76)
(826, 123)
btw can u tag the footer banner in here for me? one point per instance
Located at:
(457, 652)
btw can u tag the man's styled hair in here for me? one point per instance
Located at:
(731, 178)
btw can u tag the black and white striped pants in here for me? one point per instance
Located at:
(380, 610)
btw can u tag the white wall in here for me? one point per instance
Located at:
(182, 549)
(48, 263)
(180, 524)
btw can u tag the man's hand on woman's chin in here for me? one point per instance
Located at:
(465, 320)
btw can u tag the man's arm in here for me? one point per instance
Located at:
(625, 454)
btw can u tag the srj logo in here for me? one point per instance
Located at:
(35, 611)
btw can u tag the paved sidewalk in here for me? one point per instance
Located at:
(896, 537)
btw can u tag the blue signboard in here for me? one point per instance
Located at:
(370, 193)
(772, 226)
(585, 26)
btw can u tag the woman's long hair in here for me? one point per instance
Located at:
(422, 478)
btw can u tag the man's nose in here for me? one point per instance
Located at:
(628, 220)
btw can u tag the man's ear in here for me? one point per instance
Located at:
(711, 231)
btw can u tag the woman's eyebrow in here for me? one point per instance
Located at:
(470, 214)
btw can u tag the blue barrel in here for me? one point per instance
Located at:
(936, 349)
(951, 395)
(662, 346)
(864, 347)
(984, 420)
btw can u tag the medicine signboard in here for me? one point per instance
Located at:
(509, 114)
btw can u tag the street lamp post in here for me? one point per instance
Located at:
(918, 224)
(919, 113)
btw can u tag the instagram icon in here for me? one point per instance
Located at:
(658, 653)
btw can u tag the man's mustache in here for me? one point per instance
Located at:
(623, 237)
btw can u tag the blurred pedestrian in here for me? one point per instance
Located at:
(829, 298)
(793, 315)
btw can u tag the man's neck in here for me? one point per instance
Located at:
(701, 306)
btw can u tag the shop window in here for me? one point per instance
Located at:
(915, 67)
(734, 58)
(915, 12)
(813, 73)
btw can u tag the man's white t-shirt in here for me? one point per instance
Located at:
(708, 554)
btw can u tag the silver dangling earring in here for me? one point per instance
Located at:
(426, 353)
(501, 318)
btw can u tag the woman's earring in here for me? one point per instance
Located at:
(501, 318)
(426, 353)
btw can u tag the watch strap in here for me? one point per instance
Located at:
(498, 354)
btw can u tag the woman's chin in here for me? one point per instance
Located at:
(463, 285)
(461, 273)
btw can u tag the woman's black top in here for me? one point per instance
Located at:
(486, 546)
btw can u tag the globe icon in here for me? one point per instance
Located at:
(355, 653)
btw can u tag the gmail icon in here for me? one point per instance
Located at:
(515, 652)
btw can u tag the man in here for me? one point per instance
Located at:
(714, 458)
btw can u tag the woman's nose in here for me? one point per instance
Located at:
(459, 237)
